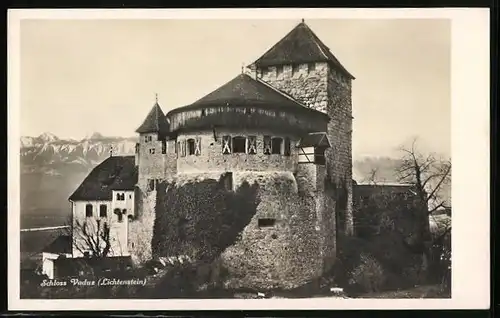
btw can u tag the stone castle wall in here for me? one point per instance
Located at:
(285, 255)
(323, 88)
(157, 165)
(140, 230)
(211, 157)
(339, 156)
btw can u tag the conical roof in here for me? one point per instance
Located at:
(243, 90)
(301, 45)
(155, 122)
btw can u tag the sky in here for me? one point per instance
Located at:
(85, 76)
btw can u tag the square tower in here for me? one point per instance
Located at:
(303, 67)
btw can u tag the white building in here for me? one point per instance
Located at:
(104, 203)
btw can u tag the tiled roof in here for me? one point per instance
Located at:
(155, 122)
(60, 245)
(242, 91)
(300, 45)
(114, 173)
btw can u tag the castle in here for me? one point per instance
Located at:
(287, 117)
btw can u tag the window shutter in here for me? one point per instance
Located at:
(197, 148)
(252, 145)
(226, 144)
(183, 148)
(267, 145)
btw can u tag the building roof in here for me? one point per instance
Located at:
(61, 245)
(301, 45)
(155, 122)
(114, 173)
(370, 188)
(314, 140)
(243, 90)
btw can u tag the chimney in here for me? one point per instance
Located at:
(252, 71)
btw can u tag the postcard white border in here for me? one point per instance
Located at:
(470, 157)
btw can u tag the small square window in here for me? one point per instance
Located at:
(266, 222)
(152, 151)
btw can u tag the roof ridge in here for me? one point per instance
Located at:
(279, 41)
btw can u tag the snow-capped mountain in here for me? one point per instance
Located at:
(50, 150)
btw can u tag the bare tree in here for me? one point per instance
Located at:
(428, 174)
(93, 236)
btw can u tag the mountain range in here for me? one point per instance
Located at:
(53, 167)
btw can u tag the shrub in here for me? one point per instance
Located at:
(368, 276)
(201, 219)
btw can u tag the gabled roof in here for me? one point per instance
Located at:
(155, 122)
(114, 173)
(61, 245)
(319, 139)
(243, 90)
(301, 45)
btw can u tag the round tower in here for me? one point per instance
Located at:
(250, 131)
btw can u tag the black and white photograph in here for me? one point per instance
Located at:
(250, 158)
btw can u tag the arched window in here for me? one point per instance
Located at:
(119, 214)
(239, 144)
(88, 210)
(191, 146)
(103, 211)
(276, 146)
